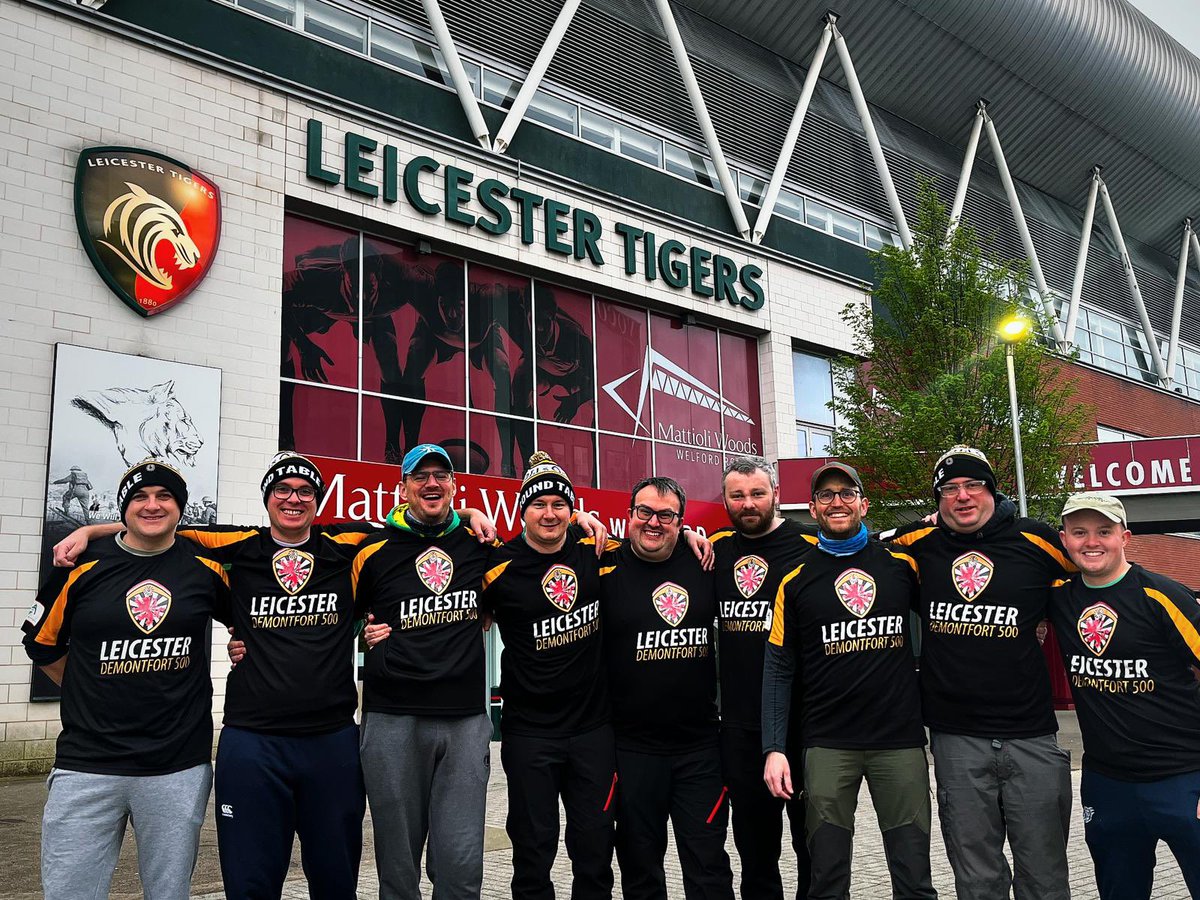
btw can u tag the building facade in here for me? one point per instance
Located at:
(382, 277)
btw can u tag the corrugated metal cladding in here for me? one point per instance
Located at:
(1070, 83)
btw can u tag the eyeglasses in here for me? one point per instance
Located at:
(826, 495)
(972, 488)
(284, 492)
(665, 516)
(441, 476)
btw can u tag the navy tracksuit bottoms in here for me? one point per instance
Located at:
(270, 788)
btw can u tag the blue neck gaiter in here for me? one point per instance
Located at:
(845, 547)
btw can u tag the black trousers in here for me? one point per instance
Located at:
(582, 770)
(757, 818)
(687, 789)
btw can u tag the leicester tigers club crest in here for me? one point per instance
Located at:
(292, 569)
(856, 589)
(561, 587)
(671, 601)
(150, 224)
(1096, 626)
(749, 572)
(435, 568)
(972, 572)
(148, 604)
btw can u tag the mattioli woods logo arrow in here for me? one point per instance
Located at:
(666, 377)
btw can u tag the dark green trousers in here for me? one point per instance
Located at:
(899, 784)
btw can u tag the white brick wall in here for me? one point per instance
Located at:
(63, 87)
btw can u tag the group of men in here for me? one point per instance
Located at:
(610, 685)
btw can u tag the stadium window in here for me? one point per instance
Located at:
(812, 385)
(554, 113)
(692, 166)
(280, 10)
(334, 25)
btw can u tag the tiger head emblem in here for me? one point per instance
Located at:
(134, 225)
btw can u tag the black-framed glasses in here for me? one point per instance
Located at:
(284, 492)
(826, 495)
(665, 516)
(441, 476)
(973, 488)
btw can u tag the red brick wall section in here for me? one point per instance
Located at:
(1130, 406)
(1175, 557)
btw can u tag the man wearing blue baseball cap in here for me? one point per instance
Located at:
(425, 730)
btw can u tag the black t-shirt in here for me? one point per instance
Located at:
(294, 609)
(747, 576)
(846, 619)
(982, 596)
(547, 606)
(1128, 649)
(658, 631)
(137, 631)
(427, 589)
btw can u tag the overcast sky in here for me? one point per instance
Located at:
(1176, 17)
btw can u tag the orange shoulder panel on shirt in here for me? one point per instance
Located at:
(215, 539)
(48, 633)
(776, 636)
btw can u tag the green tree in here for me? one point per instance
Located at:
(934, 376)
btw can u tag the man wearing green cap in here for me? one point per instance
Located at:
(1130, 638)
(127, 635)
(840, 633)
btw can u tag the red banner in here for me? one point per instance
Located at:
(366, 492)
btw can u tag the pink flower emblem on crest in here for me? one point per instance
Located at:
(148, 604)
(671, 601)
(1096, 626)
(972, 572)
(856, 589)
(435, 569)
(292, 569)
(749, 572)
(561, 587)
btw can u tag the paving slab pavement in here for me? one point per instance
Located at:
(21, 801)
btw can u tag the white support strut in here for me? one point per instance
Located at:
(1035, 266)
(534, 79)
(1177, 309)
(771, 196)
(864, 114)
(964, 177)
(1089, 217)
(458, 75)
(1134, 290)
(688, 75)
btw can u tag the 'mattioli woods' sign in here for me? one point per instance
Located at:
(365, 492)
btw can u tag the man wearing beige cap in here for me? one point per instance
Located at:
(1129, 638)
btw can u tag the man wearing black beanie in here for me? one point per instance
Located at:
(130, 628)
(986, 578)
(543, 590)
(288, 757)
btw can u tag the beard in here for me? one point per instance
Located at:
(756, 525)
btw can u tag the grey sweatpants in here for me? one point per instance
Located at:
(427, 777)
(84, 823)
(990, 789)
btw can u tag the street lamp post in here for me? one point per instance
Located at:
(1013, 330)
